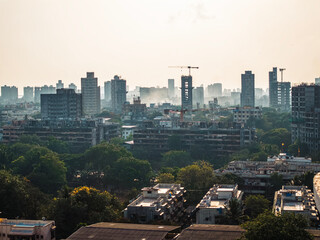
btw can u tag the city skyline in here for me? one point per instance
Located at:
(43, 42)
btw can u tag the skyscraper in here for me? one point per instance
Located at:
(73, 86)
(170, 88)
(273, 88)
(215, 90)
(90, 94)
(198, 97)
(118, 94)
(247, 89)
(28, 94)
(186, 92)
(107, 91)
(9, 94)
(317, 81)
(306, 115)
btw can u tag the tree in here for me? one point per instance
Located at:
(30, 139)
(174, 142)
(20, 198)
(82, 206)
(304, 179)
(234, 211)
(197, 176)
(277, 136)
(57, 146)
(255, 205)
(267, 226)
(5, 157)
(177, 158)
(165, 178)
(43, 167)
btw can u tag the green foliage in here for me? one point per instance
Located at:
(255, 205)
(197, 176)
(267, 226)
(43, 167)
(298, 149)
(5, 157)
(177, 159)
(114, 117)
(83, 206)
(165, 178)
(304, 179)
(20, 198)
(277, 136)
(129, 172)
(57, 146)
(234, 211)
(117, 141)
(30, 139)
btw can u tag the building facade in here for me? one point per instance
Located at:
(28, 94)
(305, 124)
(212, 206)
(186, 92)
(247, 97)
(171, 88)
(242, 115)
(118, 94)
(65, 104)
(9, 94)
(107, 91)
(90, 95)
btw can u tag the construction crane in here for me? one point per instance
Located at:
(184, 67)
(281, 70)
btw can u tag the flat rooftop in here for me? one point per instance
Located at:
(292, 206)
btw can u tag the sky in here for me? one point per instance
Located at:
(42, 41)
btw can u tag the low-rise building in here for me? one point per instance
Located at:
(13, 229)
(128, 131)
(212, 205)
(295, 199)
(160, 202)
(243, 114)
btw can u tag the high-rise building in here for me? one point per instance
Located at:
(273, 88)
(198, 97)
(9, 94)
(90, 94)
(215, 90)
(247, 89)
(65, 104)
(59, 84)
(73, 86)
(107, 91)
(118, 93)
(306, 115)
(28, 94)
(171, 88)
(317, 81)
(186, 92)
(37, 92)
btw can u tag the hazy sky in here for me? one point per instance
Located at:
(42, 41)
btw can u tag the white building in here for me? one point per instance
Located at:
(212, 205)
(12, 229)
(160, 202)
(295, 199)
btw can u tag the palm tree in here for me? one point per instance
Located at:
(234, 211)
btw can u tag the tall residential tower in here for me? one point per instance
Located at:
(90, 94)
(247, 89)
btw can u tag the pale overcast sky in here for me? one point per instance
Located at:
(42, 41)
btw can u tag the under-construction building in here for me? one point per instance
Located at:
(279, 92)
(186, 92)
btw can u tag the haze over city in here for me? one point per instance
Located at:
(43, 41)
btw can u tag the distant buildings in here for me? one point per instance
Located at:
(295, 199)
(107, 91)
(198, 97)
(186, 92)
(306, 115)
(153, 95)
(11, 229)
(59, 84)
(215, 90)
(279, 92)
(247, 90)
(73, 86)
(65, 104)
(160, 202)
(43, 90)
(317, 81)
(171, 88)
(28, 94)
(118, 94)
(134, 112)
(212, 206)
(9, 94)
(90, 95)
(242, 115)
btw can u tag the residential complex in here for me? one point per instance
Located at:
(160, 202)
(212, 207)
(242, 115)
(14, 229)
(306, 115)
(90, 95)
(65, 104)
(247, 96)
(9, 94)
(118, 94)
(295, 199)
(28, 94)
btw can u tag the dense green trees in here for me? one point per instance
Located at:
(177, 159)
(255, 205)
(267, 226)
(82, 206)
